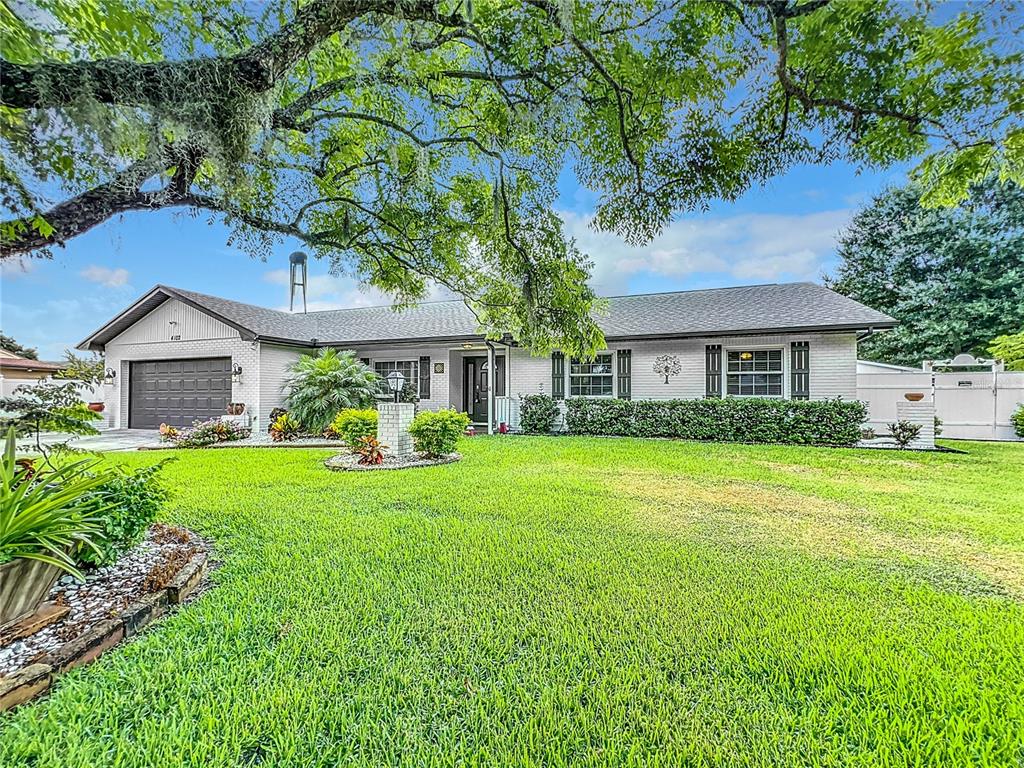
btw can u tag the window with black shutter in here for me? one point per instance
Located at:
(713, 370)
(558, 375)
(625, 373)
(424, 378)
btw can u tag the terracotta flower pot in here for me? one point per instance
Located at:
(914, 396)
(97, 407)
(24, 585)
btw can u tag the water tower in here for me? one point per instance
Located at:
(297, 278)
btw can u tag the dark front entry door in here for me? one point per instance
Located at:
(474, 385)
(177, 392)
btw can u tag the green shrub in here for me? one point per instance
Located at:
(127, 503)
(537, 414)
(285, 427)
(321, 385)
(352, 424)
(735, 420)
(436, 433)
(904, 432)
(45, 514)
(1018, 420)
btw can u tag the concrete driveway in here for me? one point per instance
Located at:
(108, 440)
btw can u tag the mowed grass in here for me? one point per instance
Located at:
(583, 602)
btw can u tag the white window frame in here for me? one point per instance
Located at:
(569, 375)
(756, 348)
(415, 371)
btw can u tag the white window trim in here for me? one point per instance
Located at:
(615, 379)
(786, 394)
(415, 362)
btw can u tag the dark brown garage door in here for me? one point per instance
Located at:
(178, 392)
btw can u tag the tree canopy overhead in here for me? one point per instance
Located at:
(953, 277)
(421, 140)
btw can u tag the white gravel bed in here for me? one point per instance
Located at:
(105, 592)
(350, 462)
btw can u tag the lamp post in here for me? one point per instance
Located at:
(395, 380)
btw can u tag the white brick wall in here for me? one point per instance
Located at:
(393, 420)
(923, 413)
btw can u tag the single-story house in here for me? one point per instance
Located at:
(16, 371)
(175, 355)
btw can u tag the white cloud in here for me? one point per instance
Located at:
(18, 266)
(111, 278)
(749, 246)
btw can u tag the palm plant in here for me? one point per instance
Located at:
(321, 385)
(42, 516)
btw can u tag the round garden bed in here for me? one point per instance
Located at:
(349, 462)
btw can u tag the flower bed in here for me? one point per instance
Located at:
(350, 462)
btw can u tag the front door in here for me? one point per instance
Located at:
(474, 385)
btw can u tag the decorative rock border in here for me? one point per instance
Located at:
(349, 462)
(36, 678)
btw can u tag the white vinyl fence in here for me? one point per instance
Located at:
(972, 406)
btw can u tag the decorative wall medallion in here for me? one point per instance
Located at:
(438, 367)
(667, 365)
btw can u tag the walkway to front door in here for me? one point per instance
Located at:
(474, 385)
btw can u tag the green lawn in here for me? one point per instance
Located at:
(562, 601)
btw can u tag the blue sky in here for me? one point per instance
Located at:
(782, 232)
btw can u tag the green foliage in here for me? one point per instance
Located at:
(8, 343)
(370, 450)
(537, 414)
(203, 434)
(739, 420)
(436, 433)
(1018, 420)
(285, 428)
(125, 506)
(90, 370)
(323, 384)
(904, 432)
(352, 424)
(1010, 349)
(689, 600)
(42, 516)
(953, 278)
(403, 149)
(47, 407)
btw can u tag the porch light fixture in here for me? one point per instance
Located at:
(236, 373)
(108, 376)
(395, 380)
(467, 345)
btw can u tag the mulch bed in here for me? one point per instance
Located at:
(113, 602)
(349, 462)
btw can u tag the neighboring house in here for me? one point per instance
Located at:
(179, 355)
(16, 370)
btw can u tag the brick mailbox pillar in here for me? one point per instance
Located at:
(393, 420)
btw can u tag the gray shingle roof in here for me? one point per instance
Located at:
(717, 311)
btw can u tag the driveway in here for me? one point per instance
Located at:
(108, 440)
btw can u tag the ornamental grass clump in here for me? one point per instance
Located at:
(436, 433)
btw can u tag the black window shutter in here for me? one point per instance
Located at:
(365, 361)
(424, 378)
(558, 375)
(625, 358)
(713, 370)
(800, 370)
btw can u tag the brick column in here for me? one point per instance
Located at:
(923, 413)
(393, 420)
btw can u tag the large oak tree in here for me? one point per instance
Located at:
(421, 140)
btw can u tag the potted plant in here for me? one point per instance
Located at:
(89, 371)
(42, 523)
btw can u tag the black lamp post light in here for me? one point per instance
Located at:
(395, 380)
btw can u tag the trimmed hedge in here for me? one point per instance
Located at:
(734, 420)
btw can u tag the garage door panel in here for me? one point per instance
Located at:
(178, 392)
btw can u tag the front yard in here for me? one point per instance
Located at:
(557, 601)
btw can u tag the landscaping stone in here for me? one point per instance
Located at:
(47, 614)
(139, 614)
(349, 462)
(87, 647)
(188, 578)
(25, 685)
